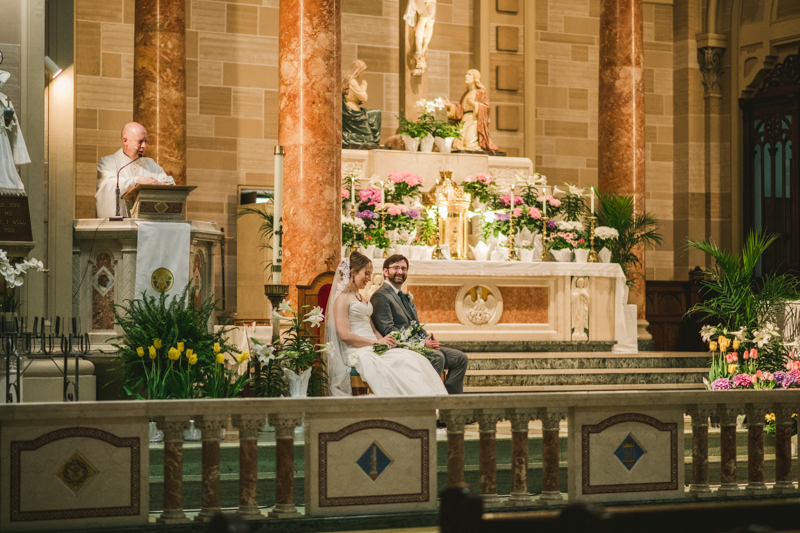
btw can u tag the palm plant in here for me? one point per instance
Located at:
(635, 230)
(266, 228)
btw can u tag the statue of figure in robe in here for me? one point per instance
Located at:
(421, 15)
(13, 151)
(580, 309)
(359, 126)
(471, 114)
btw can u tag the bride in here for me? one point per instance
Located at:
(350, 335)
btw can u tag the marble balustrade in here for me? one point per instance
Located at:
(621, 446)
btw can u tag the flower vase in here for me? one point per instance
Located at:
(412, 143)
(445, 144)
(581, 255)
(367, 251)
(156, 435)
(426, 144)
(298, 383)
(564, 255)
(526, 255)
(402, 249)
(604, 255)
(414, 252)
(192, 433)
(426, 254)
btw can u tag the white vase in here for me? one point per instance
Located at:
(192, 433)
(402, 249)
(604, 255)
(368, 251)
(526, 255)
(480, 252)
(564, 255)
(445, 144)
(427, 253)
(581, 255)
(500, 254)
(412, 143)
(298, 383)
(426, 144)
(414, 252)
(156, 435)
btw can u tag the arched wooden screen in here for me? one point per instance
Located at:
(770, 168)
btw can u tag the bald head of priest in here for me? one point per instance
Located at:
(140, 170)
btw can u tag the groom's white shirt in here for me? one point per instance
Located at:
(389, 283)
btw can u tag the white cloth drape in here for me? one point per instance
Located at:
(162, 245)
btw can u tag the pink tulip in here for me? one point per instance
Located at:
(745, 356)
(753, 354)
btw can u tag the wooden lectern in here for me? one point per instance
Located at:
(158, 202)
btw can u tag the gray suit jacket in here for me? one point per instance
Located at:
(388, 312)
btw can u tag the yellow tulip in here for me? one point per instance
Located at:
(242, 357)
(189, 353)
(712, 346)
(180, 347)
(173, 354)
(157, 344)
(193, 359)
(140, 351)
(731, 368)
(152, 352)
(736, 344)
(216, 347)
(221, 358)
(724, 342)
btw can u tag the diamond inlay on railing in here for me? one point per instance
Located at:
(629, 452)
(374, 461)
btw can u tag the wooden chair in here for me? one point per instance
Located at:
(316, 294)
(359, 386)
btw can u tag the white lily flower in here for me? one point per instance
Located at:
(706, 332)
(285, 307)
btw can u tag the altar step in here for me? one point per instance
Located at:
(584, 371)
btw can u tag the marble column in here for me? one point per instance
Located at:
(727, 443)
(455, 422)
(159, 81)
(248, 427)
(620, 117)
(755, 450)
(173, 429)
(310, 130)
(284, 464)
(550, 456)
(211, 434)
(519, 457)
(487, 449)
(783, 450)
(699, 486)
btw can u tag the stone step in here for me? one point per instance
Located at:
(585, 360)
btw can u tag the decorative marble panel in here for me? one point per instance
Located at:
(435, 304)
(103, 275)
(524, 305)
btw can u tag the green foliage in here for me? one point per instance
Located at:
(152, 322)
(573, 207)
(223, 382)
(419, 129)
(427, 227)
(635, 230)
(444, 129)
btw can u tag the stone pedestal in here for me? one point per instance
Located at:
(310, 129)
(159, 82)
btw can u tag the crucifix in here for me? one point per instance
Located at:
(417, 20)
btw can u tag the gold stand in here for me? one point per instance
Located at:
(512, 252)
(546, 257)
(276, 294)
(437, 252)
(383, 227)
(592, 253)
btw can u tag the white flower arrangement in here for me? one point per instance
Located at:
(430, 106)
(13, 273)
(357, 223)
(569, 226)
(606, 233)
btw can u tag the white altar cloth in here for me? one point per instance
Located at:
(494, 269)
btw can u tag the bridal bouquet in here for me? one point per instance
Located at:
(411, 338)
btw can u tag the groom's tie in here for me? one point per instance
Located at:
(406, 304)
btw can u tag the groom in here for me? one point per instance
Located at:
(394, 310)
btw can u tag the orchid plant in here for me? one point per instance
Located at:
(298, 351)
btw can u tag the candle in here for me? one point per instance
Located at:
(512, 199)
(382, 197)
(592, 200)
(277, 213)
(353, 191)
(544, 202)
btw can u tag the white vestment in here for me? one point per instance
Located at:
(107, 170)
(12, 147)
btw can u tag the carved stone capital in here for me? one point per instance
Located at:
(755, 414)
(783, 414)
(488, 419)
(727, 414)
(455, 420)
(519, 419)
(710, 60)
(551, 419)
(248, 426)
(173, 428)
(211, 426)
(284, 424)
(699, 415)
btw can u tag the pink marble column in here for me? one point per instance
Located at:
(159, 81)
(699, 485)
(487, 449)
(550, 456)
(783, 449)
(519, 457)
(310, 129)
(248, 427)
(173, 469)
(455, 422)
(727, 444)
(211, 434)
(621, 148)
(755, 450)
(284, 465)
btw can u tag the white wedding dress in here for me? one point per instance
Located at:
(397, 372)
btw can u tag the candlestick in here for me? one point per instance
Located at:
(592, 201)
(546, 257)
(383, 228)
(437, 251)
(277, 217)
(512, 252)
(592, 253)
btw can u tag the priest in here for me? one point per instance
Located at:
(140, 170)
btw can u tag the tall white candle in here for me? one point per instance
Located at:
(593, 200)
(512, 198)
(383, 200)
(544, 201)
(277, 217)
(353, 192)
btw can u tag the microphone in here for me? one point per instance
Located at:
(118, 216)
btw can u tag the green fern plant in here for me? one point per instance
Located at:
(618, 211)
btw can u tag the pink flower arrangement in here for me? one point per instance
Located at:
(793, 365)
(482, 178)
(732, 357)
(345, 194)
(555, 202)
(534, 213)
(506, 199)
(795, 373)
(373, 196)
(394, 209)
(742, 380)
(412, 180)
(517, 211)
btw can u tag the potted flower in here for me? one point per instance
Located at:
(526, 250)
(353, 231)
(419, 134)
(303, 358)
(13, 277)
(444, 133)
(603, 236)
(580, 244)
(561, 244)
(403, 187)
(481, 188)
